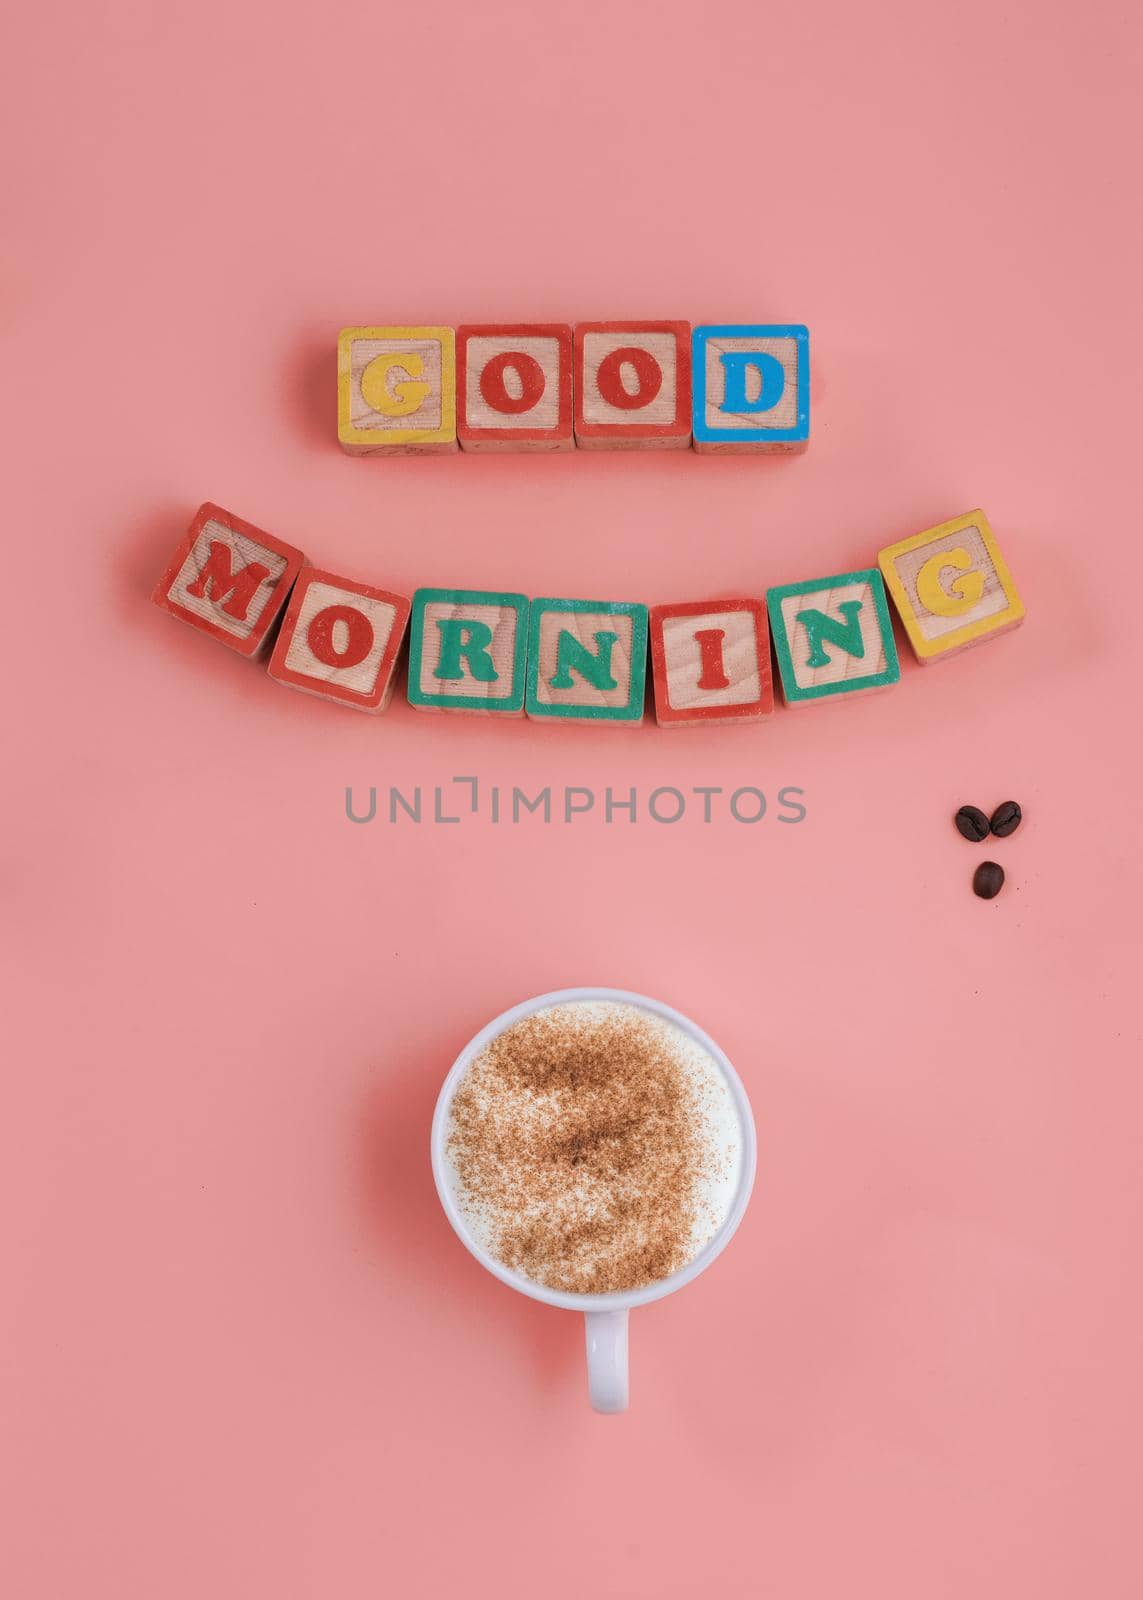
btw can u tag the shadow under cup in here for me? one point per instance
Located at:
(605, 1314)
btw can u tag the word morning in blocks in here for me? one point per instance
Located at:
(490, 652)
(720, 389)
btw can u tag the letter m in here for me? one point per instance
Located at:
(222, 586)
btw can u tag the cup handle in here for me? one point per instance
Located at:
(607, 1359)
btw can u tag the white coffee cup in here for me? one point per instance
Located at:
(605, 1314)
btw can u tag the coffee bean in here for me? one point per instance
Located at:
(1006, 819)
(972, 823)
(988, 880)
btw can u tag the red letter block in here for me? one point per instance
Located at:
(633, 385)
(340, 640)
(514, 387)
(229, 579)
(711, 661)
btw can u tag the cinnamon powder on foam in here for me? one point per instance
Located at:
(581, 1146)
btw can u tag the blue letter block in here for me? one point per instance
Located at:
(751, 388)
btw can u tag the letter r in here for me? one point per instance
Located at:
(465, 644)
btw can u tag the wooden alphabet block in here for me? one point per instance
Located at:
(587, 659)
(229, 579)
(468, 649)
(752, 389)
(711, 663)
(340, 640)
(833, 636)
(514, 386)
(951, 587)
(396, 390)
(632, 385)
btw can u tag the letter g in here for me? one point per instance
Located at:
(394, 399)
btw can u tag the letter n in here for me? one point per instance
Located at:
(572, 655)
(821, 629)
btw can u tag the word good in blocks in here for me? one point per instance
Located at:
(468, 649)
(951, 586)
(633, 385)
(751, 389)
(587, 660)
(396, 390)
(514, 387)
(340, 639)
(229, 579)
(711, 663)
(833, 636)
(725, 387)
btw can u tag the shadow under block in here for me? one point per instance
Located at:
(633, 385)
(340, 640)
(711, 663)
(229, 579)
(587, 660)
(396, 390)
(468, 649)
(751, 389)
(833, 636)
(951, 587)
(514, 387)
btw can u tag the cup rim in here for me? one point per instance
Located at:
(622, 1299)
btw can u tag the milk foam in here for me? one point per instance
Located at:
(719, 1125)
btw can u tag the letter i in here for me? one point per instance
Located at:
(713, 674)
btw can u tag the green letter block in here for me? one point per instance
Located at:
(832, 636)
(587, 659)
(468, 651)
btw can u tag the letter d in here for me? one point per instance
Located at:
(771, 375)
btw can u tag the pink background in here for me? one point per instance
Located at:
(243, 1354)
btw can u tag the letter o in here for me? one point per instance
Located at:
(358, 636)
(734, 805)
(494, 390)
(679, 796)
(609, 378)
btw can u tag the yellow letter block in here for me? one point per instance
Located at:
(951, 586)
(396, 390)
